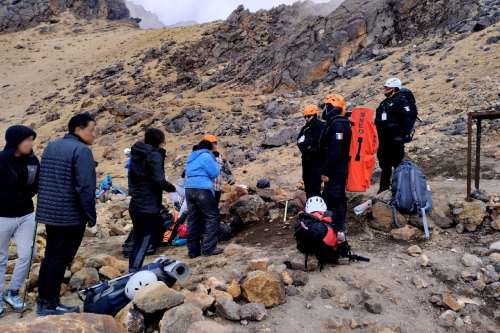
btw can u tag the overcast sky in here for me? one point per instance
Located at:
(174, 11)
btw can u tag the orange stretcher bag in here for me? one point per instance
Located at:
(363, 151)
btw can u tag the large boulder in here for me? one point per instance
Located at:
(179, 319)
(469, 214)
(74, 322)
(279, 138)
(265, 288)
(250, 208)
(156, 297)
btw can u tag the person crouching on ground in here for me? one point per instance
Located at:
(203, 224)
(146, 185)
(19, 169)
(226, 175)
(66, 204)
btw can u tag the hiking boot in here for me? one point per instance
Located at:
(46, 309)
(13, 298)
(215, 252)
(192, 256)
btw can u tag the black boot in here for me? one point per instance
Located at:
(45, 308)
(215, 252)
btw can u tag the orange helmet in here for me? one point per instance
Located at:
(210, 138)
(311, 110)
(335, 100)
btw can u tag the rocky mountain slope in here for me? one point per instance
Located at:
(246, 79)
(17, 15)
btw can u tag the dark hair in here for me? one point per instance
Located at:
(81, 120)
(203, 144)
(154, 137)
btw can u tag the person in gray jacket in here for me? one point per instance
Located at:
(66, 204)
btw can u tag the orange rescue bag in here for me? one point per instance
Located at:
(363, 151)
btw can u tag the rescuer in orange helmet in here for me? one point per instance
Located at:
(308, 143)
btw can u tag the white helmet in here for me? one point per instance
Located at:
(127, 151)
(315, 204)
(393, 83)
(138, 281)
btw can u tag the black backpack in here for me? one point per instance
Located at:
(108, 297)
(309, 235)
(410, 193)
(408, 94)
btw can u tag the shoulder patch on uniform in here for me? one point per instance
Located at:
(339, 136)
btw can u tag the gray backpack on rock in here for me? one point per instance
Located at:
(410, 193)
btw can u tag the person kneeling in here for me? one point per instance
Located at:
(318, 234)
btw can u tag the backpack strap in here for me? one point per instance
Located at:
(417, 202)
(424, 222)
(395, 222)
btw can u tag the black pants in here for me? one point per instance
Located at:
(203, 222)
(218, 195)
(62, 246)
(311, 175)
(336, 200)
(146, 230)
(390, 155)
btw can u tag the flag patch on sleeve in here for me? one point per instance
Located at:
(339, 136)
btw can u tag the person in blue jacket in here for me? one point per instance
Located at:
(203, 226)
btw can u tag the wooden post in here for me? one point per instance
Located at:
(469, 156)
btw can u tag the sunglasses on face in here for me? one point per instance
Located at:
(308, 117)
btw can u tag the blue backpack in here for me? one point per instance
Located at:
(410, 193)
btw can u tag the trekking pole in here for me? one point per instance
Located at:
(29, 271)
(286, 210)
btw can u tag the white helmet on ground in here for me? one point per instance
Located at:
(393, 83)
(138, 281)
(315, 204)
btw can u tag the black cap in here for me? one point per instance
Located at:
(17, 134)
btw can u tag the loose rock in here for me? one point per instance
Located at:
(265, 288)
(157, 296)
(180, 318)
(228, 309)
(253, 312)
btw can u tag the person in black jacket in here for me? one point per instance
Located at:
(147, 183)
(394, 119)
(66, 204)
(19, 170)
(308, 143)
(334, 146)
